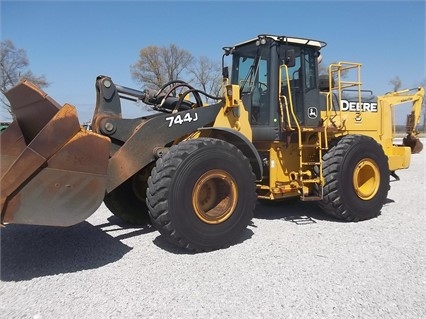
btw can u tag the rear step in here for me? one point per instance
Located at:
(53, 172)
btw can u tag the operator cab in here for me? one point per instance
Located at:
(278, 80)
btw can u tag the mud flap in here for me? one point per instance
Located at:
(53, 172)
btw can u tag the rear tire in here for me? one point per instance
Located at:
(201, 195)
(128, 201)
(356, 179)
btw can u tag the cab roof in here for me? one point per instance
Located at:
(284, 38)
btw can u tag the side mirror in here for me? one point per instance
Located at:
(290, 59)
(225, 72)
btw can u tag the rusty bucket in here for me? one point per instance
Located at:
(53, 171)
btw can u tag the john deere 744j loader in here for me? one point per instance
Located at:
(279, 131)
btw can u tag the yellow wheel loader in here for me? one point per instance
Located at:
(195, 171)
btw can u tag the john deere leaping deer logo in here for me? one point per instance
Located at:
(312, 112)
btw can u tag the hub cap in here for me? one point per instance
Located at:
(215, 196)
(366, 179)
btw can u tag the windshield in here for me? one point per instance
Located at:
(250, 68)
(250, 71)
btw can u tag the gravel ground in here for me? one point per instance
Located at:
(292, 262)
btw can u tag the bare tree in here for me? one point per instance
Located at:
(14, 65)
(207, 76)
(158, 65)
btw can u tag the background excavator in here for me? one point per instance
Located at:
(195, 171)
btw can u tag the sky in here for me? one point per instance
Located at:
(72, 42)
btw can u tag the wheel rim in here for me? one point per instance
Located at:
(215, 196)
(366, 179)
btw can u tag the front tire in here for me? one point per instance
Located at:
(356, 179)
(201, 195)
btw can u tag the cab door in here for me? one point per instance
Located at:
(299, 89)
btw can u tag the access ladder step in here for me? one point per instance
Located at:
(313, 180)
(310, 198)
(311, 163)
(310, 146)
(313, 129)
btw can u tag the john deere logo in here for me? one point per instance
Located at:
(312, 112)
(351, 106)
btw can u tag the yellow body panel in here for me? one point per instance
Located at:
(399, 157)
(233, 114)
